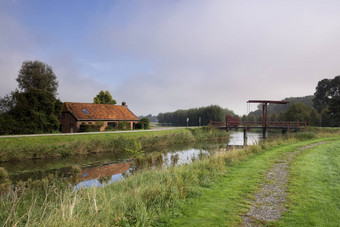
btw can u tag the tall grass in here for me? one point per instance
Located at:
(142, 199)
(12, 149)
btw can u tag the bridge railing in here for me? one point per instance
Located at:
(278, 124)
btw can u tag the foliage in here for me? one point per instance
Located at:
(150, 117)
(206, 114)
(327, 96)
(143, 123)
(89, 127)
(300, 112)
(104, 97)
(35, 108)
(33, 111)
(278, 108)
(326, 90)
(124, 125)
(334, 111)
(37, 75)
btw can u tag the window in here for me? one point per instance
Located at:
(111, 124)
(85, 111)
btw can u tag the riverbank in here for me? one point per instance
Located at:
(20, 148)
(212, 191)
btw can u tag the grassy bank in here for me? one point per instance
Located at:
(49, 146)
(222, 183)
(314, 188)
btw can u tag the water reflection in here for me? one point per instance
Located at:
(236, 138)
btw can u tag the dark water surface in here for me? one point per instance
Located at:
(104, 168)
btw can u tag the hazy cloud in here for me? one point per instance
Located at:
(163, 55)
(225, 52)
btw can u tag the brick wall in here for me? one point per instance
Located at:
(67, 121)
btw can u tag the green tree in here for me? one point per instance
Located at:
(37, 75)
(326, 90)
(33, 109)
(325, 121)
(298, 112)
(334, 111)
(104, 97)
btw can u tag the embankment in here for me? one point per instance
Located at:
(12, 149)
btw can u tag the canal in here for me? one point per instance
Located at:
(104, 168)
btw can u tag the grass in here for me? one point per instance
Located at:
(223, 203)
(211, 191)
(12, 149)
(314, 188)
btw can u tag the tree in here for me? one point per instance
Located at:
(37, 75)
(326, 90)
(104, 97)
(334, 111)
(300, 112)
(33, 109)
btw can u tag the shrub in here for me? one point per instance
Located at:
(89, 128)
(124, 125)
(143, 123)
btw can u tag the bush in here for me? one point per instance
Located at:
(144, 123)
(89, 128)
(124, 125)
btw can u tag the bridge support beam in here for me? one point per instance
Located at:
(245, 134)
(265, 132)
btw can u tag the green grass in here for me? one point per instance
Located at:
(314, 188)
(224, 202)
(49, 146)
(213, 191)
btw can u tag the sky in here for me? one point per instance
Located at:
(164, 55)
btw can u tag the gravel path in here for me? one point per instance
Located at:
(269, 202)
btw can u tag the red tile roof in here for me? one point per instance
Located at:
(91, 111)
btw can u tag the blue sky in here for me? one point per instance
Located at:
(161, 56)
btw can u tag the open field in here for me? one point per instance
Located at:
(18, 148)
(215, 190)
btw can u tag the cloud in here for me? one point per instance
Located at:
(223, 52)
(15, 45)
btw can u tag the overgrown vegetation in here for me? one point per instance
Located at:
(58, 145)
(152, 197)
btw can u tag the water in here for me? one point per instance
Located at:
(104, 168)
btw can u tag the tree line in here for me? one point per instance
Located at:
(194, 116)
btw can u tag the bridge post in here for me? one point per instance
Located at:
(245, 134)
(265, 132)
